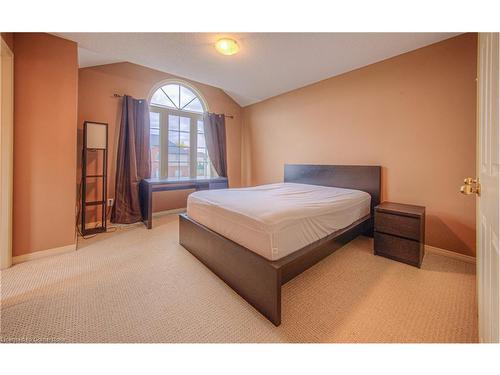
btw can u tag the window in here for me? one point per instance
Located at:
(177, 136)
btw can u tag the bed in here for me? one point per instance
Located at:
(257, 239)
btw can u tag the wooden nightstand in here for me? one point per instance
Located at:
(400, 232)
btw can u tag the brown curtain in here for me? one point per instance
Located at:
(133, 160)
(215, 137)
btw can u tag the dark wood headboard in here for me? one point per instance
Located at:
(359, 177)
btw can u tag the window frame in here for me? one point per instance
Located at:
(194, 117)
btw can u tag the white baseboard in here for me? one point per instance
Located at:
(155, 214)
(450, 254)
(169, 212)
(68, 248)
(43, 253)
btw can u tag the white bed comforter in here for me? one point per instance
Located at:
(277, 219)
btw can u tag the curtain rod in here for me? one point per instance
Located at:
(121, 96)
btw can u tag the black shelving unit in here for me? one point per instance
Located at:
(103, 203)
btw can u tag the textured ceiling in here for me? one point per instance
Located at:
(267, 65)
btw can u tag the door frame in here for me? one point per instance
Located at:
(487, 265)
(6, 152)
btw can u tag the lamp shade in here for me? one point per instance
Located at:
(96, 135)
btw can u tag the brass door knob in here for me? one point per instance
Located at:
(472, 186)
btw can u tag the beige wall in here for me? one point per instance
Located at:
(96, 103)
(413, 114)
(9, 39)
(45, 113)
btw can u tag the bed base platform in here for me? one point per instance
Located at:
(259, 280)
(255, 278)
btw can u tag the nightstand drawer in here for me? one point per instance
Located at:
(398, 225)
(407, 251)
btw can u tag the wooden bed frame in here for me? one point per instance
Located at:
(259, 280)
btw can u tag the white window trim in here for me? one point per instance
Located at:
(164, 112)
(172, 81)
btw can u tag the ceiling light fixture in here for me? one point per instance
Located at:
(227, 46)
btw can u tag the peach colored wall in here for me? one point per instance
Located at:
(9, 39)
(96, 103)
(45, 113)
(414, 114)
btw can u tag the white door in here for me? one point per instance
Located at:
(6, 152)
(488, 260)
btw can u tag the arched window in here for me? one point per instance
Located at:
(177, 138)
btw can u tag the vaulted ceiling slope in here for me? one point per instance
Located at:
(267, 65)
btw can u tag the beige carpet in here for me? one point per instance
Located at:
(136, 285)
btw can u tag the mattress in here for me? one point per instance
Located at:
(277, 219)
